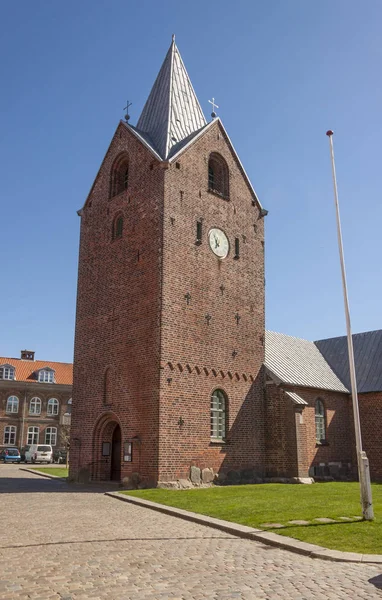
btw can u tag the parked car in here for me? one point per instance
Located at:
(39, 453)
(22, 452)
(10, 455)
(59, 456)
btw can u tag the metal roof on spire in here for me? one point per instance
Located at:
(172, 112)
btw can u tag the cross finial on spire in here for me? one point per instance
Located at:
(214, 105)
(173, 37)
(127, 116)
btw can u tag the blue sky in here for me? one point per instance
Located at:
(282, 72)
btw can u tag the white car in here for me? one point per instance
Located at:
(39, 453)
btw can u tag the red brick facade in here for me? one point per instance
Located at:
(18, 416)
(370, 409)
(146, 356)
(292, 449)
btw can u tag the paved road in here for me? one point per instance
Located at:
(60, 542)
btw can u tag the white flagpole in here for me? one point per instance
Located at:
(363, 463)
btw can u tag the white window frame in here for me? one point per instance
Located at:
(7, 372)
(32, 435)
(46, 376)
(218, 415)
(53, 407)
(34, 402)
(9, 435)
(51, 436)
(12, 403)
(320, 421)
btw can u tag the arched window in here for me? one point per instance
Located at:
(119, 177)
(218, 415)
(35, 406)
(12, 405)
(108, 386)
(117, 227)
(53, 405)
(218, 175)
(319, 412)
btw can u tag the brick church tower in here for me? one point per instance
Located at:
(169, 341)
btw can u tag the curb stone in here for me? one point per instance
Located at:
(47, 475)
(243, 531)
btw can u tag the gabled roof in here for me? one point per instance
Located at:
(298, 362)
(172, 111)
(367, 357)
(25, 370)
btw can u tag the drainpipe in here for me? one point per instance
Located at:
(23, 418)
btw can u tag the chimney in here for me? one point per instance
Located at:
(27, 355)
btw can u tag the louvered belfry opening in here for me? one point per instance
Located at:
(218, 177)
(119, 179)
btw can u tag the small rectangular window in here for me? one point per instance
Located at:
(199, 232)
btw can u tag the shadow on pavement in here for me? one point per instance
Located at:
(31, 484)
(376, 581)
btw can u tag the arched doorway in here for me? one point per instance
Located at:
(107, 449)
(115, 466)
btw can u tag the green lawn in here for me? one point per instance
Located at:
(254, 505)
(58, 471)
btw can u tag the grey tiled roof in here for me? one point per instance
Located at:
(367, 357)
(295, 397)
(299, 362)
(172, 111)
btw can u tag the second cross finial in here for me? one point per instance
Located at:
(214, 105)
(127, 116)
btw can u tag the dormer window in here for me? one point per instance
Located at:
(46, 376)
(7, 372)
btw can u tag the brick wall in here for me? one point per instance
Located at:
(197, 355)
(118, 310)
(370, 409)
(291, 435)
(133, 321)
(280, 435)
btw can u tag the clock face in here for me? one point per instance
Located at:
(219, 243)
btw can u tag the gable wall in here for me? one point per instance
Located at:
(187, 339)
(118, 308)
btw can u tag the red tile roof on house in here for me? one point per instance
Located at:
(26, 370)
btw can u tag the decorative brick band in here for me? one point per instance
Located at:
(207, 371)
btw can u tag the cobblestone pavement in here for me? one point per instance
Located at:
(66, 542)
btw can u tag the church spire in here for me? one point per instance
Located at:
(172, 111)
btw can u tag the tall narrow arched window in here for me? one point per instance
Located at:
(117, 227)
(218, 175)
(108, 386)
(119, 176)
(218, 415)
(319, 411)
